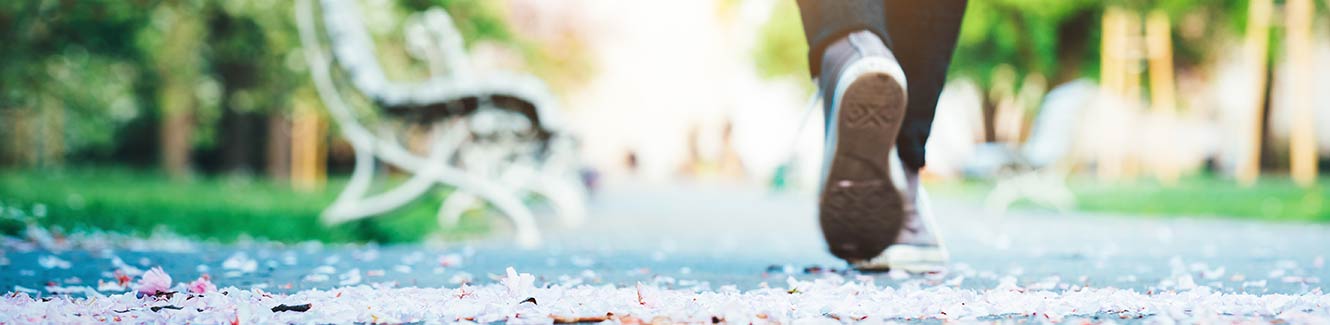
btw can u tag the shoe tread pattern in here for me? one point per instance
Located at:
(860, 212)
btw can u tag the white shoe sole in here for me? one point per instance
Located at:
(909, 258)
(861, 207)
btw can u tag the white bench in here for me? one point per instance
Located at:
(495, 138)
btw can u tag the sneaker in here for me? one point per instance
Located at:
(863, 203)
(918, 247)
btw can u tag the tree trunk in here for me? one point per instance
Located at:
(990, 117)
(17, 136)
(52, 137)
(1073, 42)
(178, 68)
(177, 125)
(240, 141)
(279, 147)
(1266, 155)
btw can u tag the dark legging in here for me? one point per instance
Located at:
(921, 33)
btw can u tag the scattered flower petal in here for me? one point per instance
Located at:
(154, 282)
(202, 285)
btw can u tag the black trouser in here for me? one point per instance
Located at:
(921, 33)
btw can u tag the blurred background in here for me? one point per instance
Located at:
(201, 118)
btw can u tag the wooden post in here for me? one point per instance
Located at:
(1111, 82)
(1132, 40)
(1256, 49)
(1163, 102)
(1159, 46)
(1132, 53)
(1302, 148)
(307, 149)
(1121, 80)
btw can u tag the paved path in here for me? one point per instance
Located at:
(708, 236)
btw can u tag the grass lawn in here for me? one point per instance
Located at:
(223, 209)
(1273, 198)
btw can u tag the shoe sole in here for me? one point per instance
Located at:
(861, 210)
(908, 258)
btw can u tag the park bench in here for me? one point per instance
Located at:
(1038, 169)
(495, 138)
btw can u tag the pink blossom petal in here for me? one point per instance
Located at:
(202, 285)
(154, 281)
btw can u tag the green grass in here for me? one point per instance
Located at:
(222, 209)
(1272, 198)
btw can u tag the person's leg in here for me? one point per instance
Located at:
(923, 35)
(826, 22)
(877, 118)
(862, 206)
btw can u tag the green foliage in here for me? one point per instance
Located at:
(475, 19)
(1030, 36)
(113, 65)
(221, 209)
(75, 56)
(251, 46)
(1023, 35)
(781, 49)
(1201, 25)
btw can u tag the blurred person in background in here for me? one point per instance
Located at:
(880, 66)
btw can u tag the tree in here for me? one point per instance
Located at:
(183, 84)
(71, 71)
